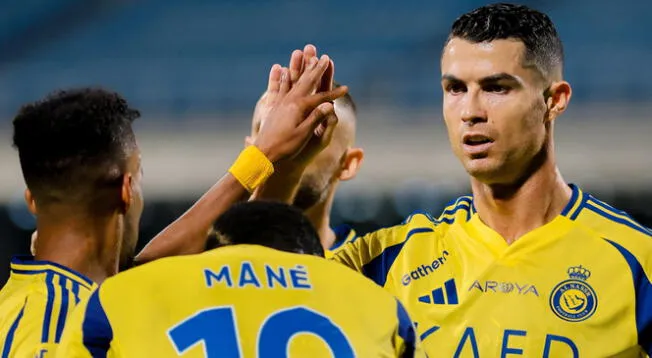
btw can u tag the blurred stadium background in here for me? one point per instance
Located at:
(195, 68)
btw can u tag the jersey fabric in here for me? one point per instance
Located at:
(35, 304)
(240, 301)
(578, 286)
(343, 235)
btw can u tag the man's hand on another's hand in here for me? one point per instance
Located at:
(298, 113)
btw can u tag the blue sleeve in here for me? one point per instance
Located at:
(643, 292)
(96, 328)
(378, 268)
(406, 330)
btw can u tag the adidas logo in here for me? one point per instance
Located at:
(436, 297)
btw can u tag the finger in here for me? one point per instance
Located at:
(328, 127)
(327, 78)
(311, 77)
(309, 52)
(322, 97)
(319, 115)
(274, 82)
(285, 81)
(296, 65)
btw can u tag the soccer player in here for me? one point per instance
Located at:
(340, 161)
(81, 164)
(263, 293)
(528, 264)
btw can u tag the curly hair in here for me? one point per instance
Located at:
(272, 224)
(73, 141)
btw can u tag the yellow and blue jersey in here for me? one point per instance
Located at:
(35, 304)
(240, 301)
(343, 235)
(578, 286)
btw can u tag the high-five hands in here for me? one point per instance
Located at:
(298, 116)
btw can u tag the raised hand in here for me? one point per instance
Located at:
(264, 104)
(310, 51)
(296, 112)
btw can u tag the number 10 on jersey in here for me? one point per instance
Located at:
(216, 328)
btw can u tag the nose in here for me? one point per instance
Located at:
(472, 109)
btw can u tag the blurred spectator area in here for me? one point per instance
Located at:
(179, 58)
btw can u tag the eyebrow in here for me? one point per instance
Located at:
(485, 80)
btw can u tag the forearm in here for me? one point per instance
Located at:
(282, 186)
(188, 234)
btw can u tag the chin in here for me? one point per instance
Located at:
(485, 170)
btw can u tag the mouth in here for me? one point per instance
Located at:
(476, 139)
(477, 145)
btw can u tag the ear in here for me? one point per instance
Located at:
(127, 192)
(352, 161)
(30, 201)
(559, 95)
(32, 245)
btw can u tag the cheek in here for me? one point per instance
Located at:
(453, 127)
(452, 111)
(520, 125)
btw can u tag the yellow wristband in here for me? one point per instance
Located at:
(251, 168)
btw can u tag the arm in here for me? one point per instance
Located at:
(188, 234)
(373, 254)
(283, 185)
(291, 123)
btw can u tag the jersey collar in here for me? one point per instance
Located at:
(26, 265)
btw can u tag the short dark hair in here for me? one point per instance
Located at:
(267, 223)
(73, 142)
(347, 99)
(502, 21)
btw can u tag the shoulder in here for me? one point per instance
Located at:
(416, 224)
(456, 211)
(628, 238)
(375, 253)
(616, 226)
(348, 281)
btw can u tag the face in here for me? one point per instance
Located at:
(134, 211)
(324, 170)
(494, 109)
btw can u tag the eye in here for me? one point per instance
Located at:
(455, 88)
(496, 88)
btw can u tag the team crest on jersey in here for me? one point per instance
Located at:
(574, 300)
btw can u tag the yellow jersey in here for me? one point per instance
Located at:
(343, 235)
(35, 304)
(578, 286)
(240, 301)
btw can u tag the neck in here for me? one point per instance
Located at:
(89, 246)
(514, 210)
(319, 216)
